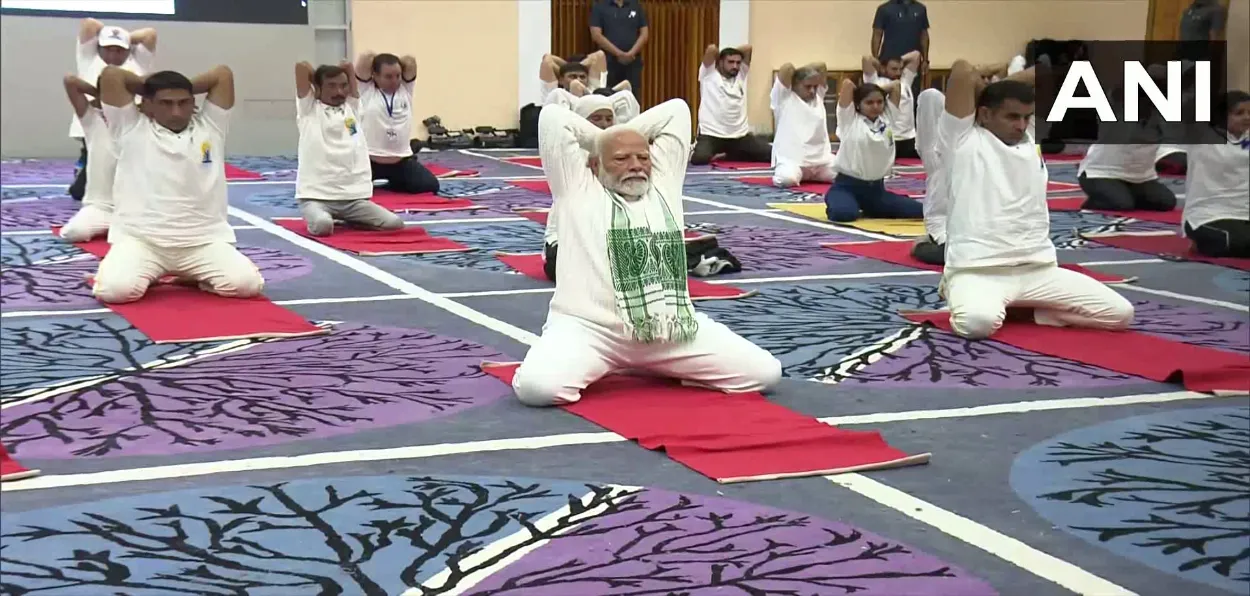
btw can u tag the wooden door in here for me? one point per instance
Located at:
(680, 29)
(1164, 19)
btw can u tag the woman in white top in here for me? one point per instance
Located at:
(334, 181)
(902, 112)
(929, 108)
(386, 94)
(801, 150)
(97, 201)
(866, 156)
(1217, 186)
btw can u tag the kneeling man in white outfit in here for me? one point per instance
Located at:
(170, 190)
(998, 248)
(621, 301)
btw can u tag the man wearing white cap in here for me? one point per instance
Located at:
(100, 46)
(603, 111)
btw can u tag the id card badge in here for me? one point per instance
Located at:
(391, 135)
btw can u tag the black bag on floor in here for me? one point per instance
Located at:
(489, 137)
(705, 258)
(528, 135)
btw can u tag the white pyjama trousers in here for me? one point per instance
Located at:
(572, 354)
(320, 215)
(89, 222)
(132, 265)
(787, 175)
(979, 298)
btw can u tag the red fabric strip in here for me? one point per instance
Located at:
(899, 253)
(534, 185)
(11, 469)
(170, 313)
(726, 437)
(442, 172)
(426, 201)
(1198, 368)
(742, 165)
(536, 162)
(1172, 246)
(412, 240)
(531, 266)
(539, 217)
(237, 174)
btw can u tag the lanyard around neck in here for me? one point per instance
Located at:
(389, 102)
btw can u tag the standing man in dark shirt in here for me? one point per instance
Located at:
(902, 26)
(1203, 21)
(620, 28)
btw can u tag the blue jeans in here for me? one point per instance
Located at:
(848, 196)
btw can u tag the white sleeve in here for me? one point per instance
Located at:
(908, 78)
(563, 141)
(625, 106)
(705, 70)
(778, 93)
(409, 88)
(93, 125)
(560, 97)
(354, 104)
(846, 120)
(1016, 65)
(121, 120)
(870, 77)
(145, 59)
(952, 131)
(304, 105)
(215, 116)
(84, 55)
(667, 127)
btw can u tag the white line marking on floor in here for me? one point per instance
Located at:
(388, 279)
(1177, 295)
(991, 541)
(544, 442)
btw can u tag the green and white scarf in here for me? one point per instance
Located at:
(648, 262)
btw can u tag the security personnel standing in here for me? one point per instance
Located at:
(902, 26)
(620, 28)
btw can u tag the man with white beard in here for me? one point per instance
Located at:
(621, 300)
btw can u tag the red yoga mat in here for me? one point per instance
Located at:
(412, 240)
(442, 172)
(97, 247)
(536, 162)
(531, 266)
(11, 469)
(1198, 368)
(819, 188)
(899, 253)
(727, 437)
(236, 174)
(426, 201)
(1172, 246)
(742, 165)
(534, 185)
(1167, 217)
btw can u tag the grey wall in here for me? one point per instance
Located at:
(37, 52)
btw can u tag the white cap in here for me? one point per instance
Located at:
(589, 104)
(115, 37)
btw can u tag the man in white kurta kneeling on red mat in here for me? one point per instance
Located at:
(621, 301)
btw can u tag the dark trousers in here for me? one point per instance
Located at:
(1173, 164)
(79, 187)
(906, 148)
(1109, 194)
(848, 196)
(748, 148)
(631, 72)
(549, 261)
(1222, 238)
(929, 251)
(406, 175)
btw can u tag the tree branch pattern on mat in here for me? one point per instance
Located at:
(435, 535)
(251, 393)
(1171, 490)
(36, 215)
(840, 333)
(486, 239)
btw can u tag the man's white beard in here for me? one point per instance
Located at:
(633, 188)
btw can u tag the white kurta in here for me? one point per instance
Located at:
(97, 202)
(584, 338)
(930, 106)
(1217, 183)
(801, 149)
